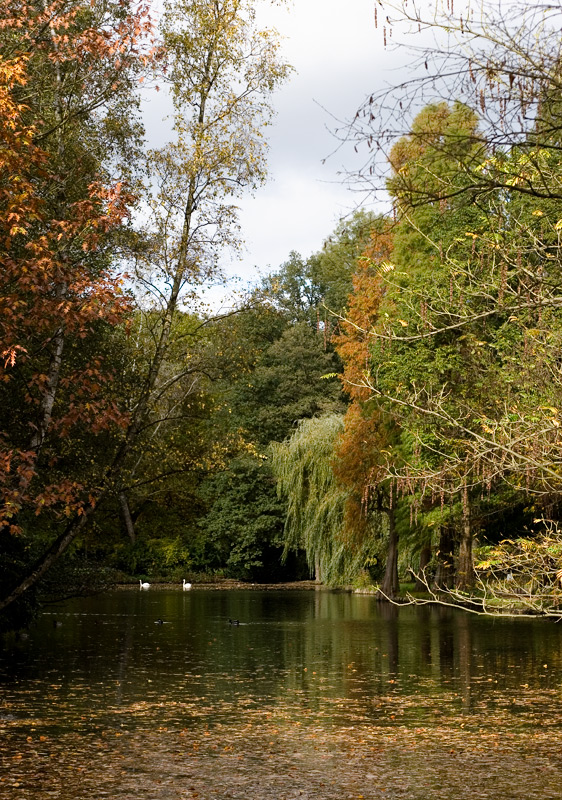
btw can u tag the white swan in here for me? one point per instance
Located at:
(144, 585)
(186, 586)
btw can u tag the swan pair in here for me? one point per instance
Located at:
(186, 586)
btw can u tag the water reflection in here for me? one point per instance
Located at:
(300, 665)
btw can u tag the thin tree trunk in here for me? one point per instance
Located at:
(48, 400)
(390, 586)
(317, 570)
(61, 291)
(421, 578)
(48, 558)
(465, 568)
(127, 518)
(445, 573)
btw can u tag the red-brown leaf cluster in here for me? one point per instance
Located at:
(56, 286)
(365, 434)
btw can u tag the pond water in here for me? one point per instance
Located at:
(315, 694)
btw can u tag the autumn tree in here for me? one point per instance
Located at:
(486, 420)
(221, 70)
(69, 76)
(405, 366)
(62, 203)
(370, 440)
(504, 63)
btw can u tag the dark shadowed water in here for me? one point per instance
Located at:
(313, 695)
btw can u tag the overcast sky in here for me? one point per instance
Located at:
(339, 59)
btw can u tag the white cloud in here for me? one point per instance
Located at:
(339, 59)
(297, 212)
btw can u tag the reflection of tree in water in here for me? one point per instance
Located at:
(388, 613)
(446, 643)
(124, 658)
(329, 694)
(425, 637)
(464, 648)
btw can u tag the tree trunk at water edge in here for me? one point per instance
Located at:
(390, 586)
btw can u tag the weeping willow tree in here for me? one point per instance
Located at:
(316, 503)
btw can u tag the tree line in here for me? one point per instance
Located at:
(386, 408)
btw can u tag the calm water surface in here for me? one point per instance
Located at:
(315, 695)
